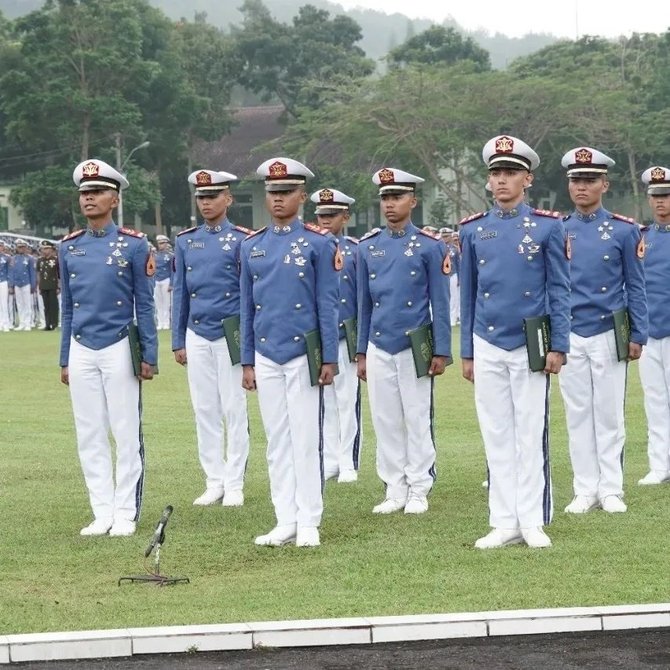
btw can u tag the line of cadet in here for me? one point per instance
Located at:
(290, 279)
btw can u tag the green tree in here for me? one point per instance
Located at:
(283, 62)
(439, 46)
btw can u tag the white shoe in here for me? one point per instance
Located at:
(277, 536)
(582, 505)
(416, 504)
(329, 474)
(389, 506)
(308, 536)
(499, 537)
(535, 537)
(209, 497)
(98, 527)
(122, 528)
(233, 499)
(347, 476)
(613, 504)
(654, 477)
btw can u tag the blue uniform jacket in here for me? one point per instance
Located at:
(163, 265)
(401, 278)
(206, 280)
(5, 262)
(607, 273)
(454, 258)
(657, 275)
(104, 278)
(22, 271)
(290, 285)
(514, 265)
(348, 297)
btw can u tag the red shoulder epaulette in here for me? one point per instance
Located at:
(253, 233)
(131, 232)
(242, 229)
(316, 229)
(620, 217)
(371, 233)
(473, 217)
(427, 233)
(351, 239)
(73, 234)
(546, 212)
(188, 230)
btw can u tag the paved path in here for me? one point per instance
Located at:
(625, 650)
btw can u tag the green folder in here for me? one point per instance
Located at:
(421, 341)
(231, 331)
(314, 355)
(351, 335)
(136, 349)
(621, 333)
(538, 341)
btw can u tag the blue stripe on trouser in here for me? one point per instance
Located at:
(139, 487)
(321, 416)
(432, 471)
(547, 503)
(356, 455)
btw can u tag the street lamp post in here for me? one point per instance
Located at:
(120, 165)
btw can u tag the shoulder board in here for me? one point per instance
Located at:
(253, 233)
(371, 233)
(131, 232)
(316, 229)
(620, 217)
(188, 230)
(242, 229)
(353, 240)
(73, 234)
(546, 212)
(427, 233)
(473, 217)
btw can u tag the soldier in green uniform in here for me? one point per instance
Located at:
(48, 283)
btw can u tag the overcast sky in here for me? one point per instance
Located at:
(566, 18)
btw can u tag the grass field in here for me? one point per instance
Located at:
(53, 579)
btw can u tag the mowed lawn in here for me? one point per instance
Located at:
(53, 579)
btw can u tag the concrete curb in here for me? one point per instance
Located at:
(325, 632)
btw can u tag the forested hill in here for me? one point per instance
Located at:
(381, 32)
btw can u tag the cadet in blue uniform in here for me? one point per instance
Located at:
(342, 399)
(23, 284)
(5, 261)
(289, 285)
(402, 276)
(206, 291)
(607, 274)
(106, 272)
(514, 265)
(447, 234)
(163, 279)
(655, 359)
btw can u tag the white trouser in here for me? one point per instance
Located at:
(513, 411)
(217, 396)
(593, 385)
(4, 305)
(24, 306)
(655, 378)
(292, 413)
(402, 415)
(454, 300)
(342, 428)
(162, 300)
(38, 305)
(106, 395)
